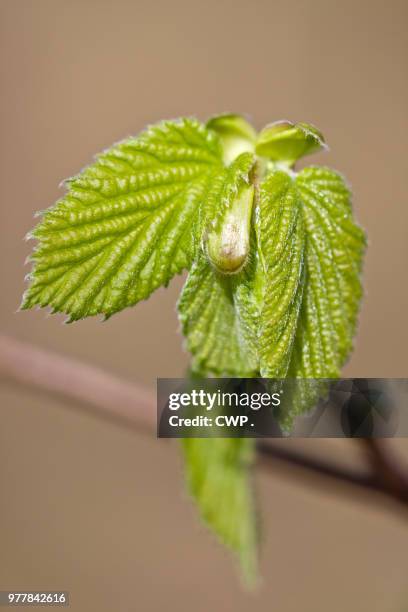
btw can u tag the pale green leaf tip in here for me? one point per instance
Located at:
(235, 133)
(218, 479)
(232, 124)
(250, 572)
(284, 141)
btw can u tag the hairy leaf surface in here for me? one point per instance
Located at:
(281, 237)
(334, 252)
(311, 252)
(292, 310)
(214, 331)
(214, 327)
(128, 223)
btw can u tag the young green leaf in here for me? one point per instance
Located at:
(286, 142)
(211, 323)
(312, 253)
(218, 471)
(236, 134)
(127, 224)
(335, 250)
(282, 241)
(333, 262)
(292, 310)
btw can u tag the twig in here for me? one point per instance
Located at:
(92, 387)
(130, 404)
(297, 465)
(389, 472)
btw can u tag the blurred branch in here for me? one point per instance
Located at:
(92, 387)
(307, 468)
(128, 403)
(389, 472)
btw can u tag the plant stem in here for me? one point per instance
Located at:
(130, 404)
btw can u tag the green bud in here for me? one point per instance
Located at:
(236, 134)
(286, 142)
(228, 245)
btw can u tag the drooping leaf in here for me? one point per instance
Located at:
(218, 478)
(128, 223)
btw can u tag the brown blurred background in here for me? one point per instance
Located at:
(88, 506)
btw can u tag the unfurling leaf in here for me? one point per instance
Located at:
(287, 142)
(237, 136)
(227, 216)
(282, 241)
(334, 255)
(333, 261)
(210, 320)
